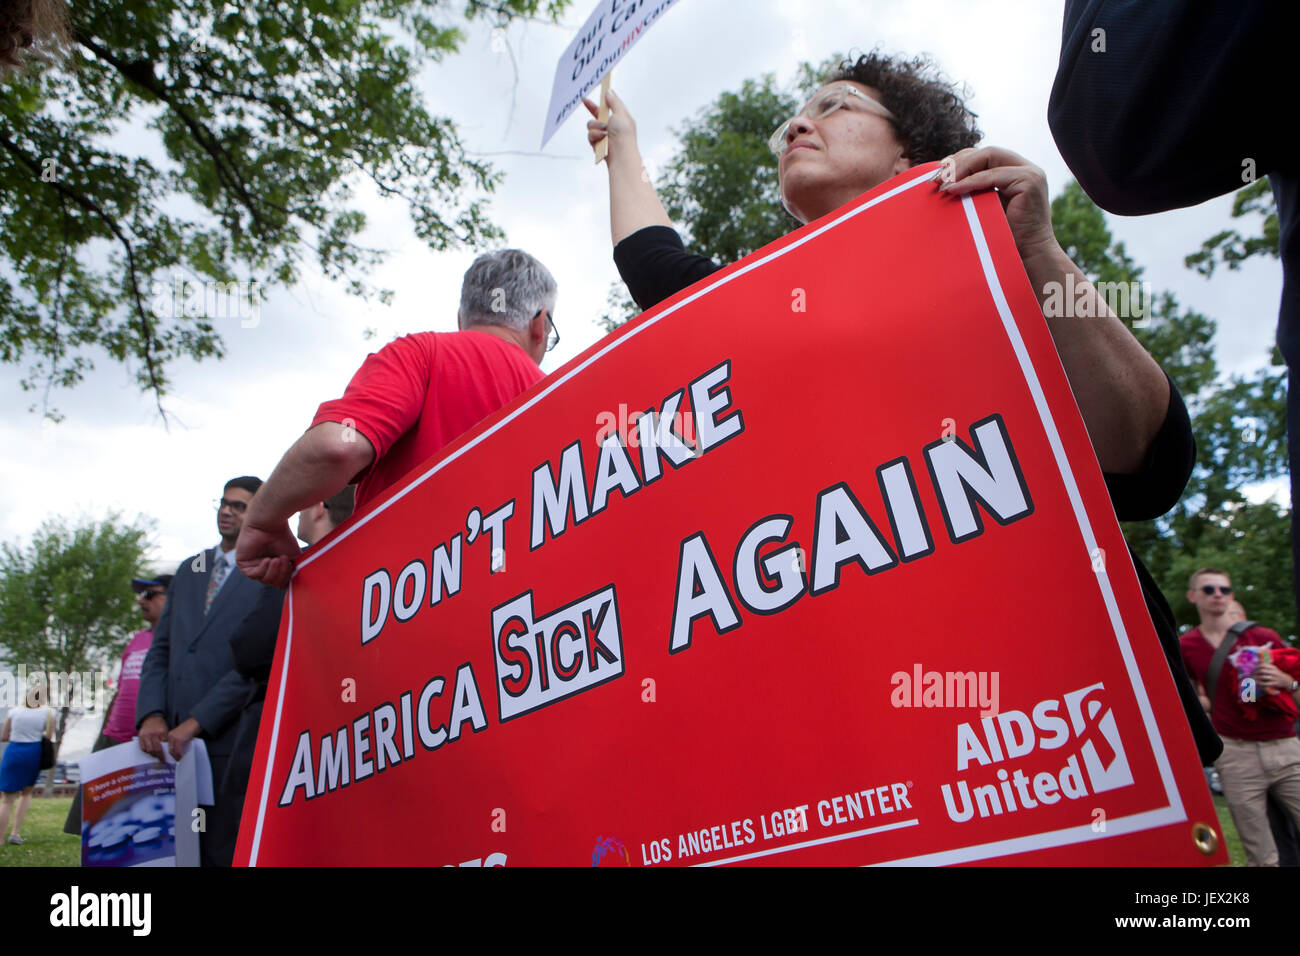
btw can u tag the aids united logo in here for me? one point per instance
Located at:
(1101, 749)
(1096, 763)
(610, 851)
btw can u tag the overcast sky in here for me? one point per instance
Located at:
(237, 416)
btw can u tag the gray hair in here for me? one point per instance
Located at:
(507, 287)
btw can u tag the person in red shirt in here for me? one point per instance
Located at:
(1252, 707)
(408, 400)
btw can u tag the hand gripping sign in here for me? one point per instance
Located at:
(845, 586)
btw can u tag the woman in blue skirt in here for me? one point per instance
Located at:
(23, 728)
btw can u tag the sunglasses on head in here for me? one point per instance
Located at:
(1212, 588)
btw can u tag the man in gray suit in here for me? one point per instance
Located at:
(189, 686)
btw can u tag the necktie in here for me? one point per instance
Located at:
(219, 571)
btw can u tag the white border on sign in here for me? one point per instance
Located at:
(275, 731)
(1173, 812)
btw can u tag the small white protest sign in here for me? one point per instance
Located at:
(611, 30)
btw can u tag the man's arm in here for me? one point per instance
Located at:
(384, 399)
(213, 713)
(318, 465)
(1276, 681)
(1160, 104)
(1271, 677)
(254, 640)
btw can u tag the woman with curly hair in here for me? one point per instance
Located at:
(874, 118)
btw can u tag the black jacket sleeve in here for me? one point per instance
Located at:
(655, 265)
(1159, 483)
(1158, 103)
(253, 642)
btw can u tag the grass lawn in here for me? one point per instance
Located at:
(1236, 854)
(45, 843)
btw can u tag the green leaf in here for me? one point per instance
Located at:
(265, 117)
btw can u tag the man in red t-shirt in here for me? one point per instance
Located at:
(408, 400)
(1249, 709)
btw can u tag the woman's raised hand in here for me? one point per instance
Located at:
(633, 204)
(619, 128)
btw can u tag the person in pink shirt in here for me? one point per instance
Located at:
(151, 595)
(119, 725)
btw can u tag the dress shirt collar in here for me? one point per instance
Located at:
(227, 556)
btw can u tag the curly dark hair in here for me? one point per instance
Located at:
(28, 30)
(930, 113)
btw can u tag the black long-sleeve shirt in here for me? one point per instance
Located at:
(655, 265)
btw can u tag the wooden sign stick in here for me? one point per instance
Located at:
(602, 148)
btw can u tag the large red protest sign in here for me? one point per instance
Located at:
(811, 564)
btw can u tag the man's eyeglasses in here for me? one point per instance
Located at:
(238, 507)
(1211, 589)
(553, 337)
(150, 595)
(823, 106)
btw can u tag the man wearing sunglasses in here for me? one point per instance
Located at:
(408, 400)
(1261, 755)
